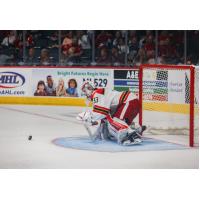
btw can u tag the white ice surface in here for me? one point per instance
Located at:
(46, 123)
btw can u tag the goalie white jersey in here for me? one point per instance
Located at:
(106, 101)
(118, 109)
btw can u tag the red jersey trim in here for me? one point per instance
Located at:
(97, 91)
(100, 112)
(103, 108)
(124, 97)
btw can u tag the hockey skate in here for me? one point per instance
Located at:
(139, 130)
(134, 137)
(131, 139)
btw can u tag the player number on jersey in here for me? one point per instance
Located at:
(95, 100)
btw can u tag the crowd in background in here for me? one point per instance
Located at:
(116, 48)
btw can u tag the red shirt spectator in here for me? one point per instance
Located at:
(104, 56)
(149, 45)
(71, 48)
(102, 39)
(68, 39)
(163, 37)
(29, 41)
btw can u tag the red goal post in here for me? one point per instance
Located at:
(148, 84)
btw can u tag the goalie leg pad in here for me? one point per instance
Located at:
(117, 128)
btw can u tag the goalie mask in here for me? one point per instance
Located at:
(88, 89)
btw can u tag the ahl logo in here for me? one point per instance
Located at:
(11, 80)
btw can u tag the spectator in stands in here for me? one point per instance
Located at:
(83, 40)
(163, 41)
(141, 56)
(152, 61)
(133, 49)
(40, 89)
(72, 88)
(53, 40)
(60, 89)
(163, 37)
(132, 34)
(31, 59)
(68, 39)
(73, 52)
(149, 33)
(149, 47)
(3, 34)
(122, 47)
(29, 41)
(162, 59)
(50, 87)
(168, 49)
(118, 36)
(116, 59)
(9, 39)
(44, 57)
(103, 39)
(173, 53)
(104, 57)
(4, 57)
(189, 62)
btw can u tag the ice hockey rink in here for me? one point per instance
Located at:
(46, 123)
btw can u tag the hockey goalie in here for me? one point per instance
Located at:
(114, 112)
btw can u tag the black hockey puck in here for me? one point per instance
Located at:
(30, 137)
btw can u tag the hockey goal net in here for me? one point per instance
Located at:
(169, 100)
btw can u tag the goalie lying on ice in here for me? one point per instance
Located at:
(115, 111)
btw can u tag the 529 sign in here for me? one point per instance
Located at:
(98, 82)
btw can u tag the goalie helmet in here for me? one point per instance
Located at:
(88, 89)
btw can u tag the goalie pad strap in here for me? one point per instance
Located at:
(117, 124)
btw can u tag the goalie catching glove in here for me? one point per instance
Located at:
(86, 117)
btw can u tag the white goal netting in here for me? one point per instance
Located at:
(166, 101)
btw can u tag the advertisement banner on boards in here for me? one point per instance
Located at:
(15, 82)
(177, 92)
(125, 79)
(68, 81)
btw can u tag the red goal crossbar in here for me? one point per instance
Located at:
(192, 81)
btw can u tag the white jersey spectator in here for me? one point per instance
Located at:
(84, 41)
(10, 39)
